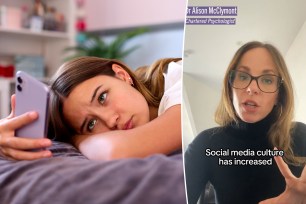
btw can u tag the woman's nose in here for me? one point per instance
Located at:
(110, 118)
(253, 88)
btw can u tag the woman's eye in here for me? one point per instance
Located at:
(243, 77)
(91, 125)
(267, 81)
(102, 97)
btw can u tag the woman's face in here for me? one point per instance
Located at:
(251, 104)
(105, 103)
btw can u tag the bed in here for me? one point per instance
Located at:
(69, 177)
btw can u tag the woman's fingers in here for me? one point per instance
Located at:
(303, 175)
(268, 201)
(283, 167)
(284, 198)
(24, 155)
(13, 100)
(14, 147)
(301, 184)
(24, 143)
(22, 120)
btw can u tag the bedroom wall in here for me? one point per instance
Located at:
(156, 44)
(296, 61)
(132, 13)
(202, 104)
(188, 127)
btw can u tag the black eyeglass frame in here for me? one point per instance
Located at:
(232, 72)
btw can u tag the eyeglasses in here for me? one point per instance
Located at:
(267, 83)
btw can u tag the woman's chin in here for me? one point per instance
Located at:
(250, 119)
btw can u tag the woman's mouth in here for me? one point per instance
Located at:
(250, 106)
(128, 125)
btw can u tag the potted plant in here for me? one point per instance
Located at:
(94, 45)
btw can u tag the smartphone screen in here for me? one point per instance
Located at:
(32, 95)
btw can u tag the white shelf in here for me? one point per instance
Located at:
(43, 34)
(25, 42)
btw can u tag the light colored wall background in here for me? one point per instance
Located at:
(161, 43)
(110, 14)
(165, 20)
(296, 61)
(203, 98)
(155, 45)
(188, 124)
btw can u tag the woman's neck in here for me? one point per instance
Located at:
(256, 130)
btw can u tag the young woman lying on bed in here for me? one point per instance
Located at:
(106, 111)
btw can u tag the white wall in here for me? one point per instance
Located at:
(296, 62)
(153, 45)
(203, 100)
(132, 13)
(156, 45)
(188, 125)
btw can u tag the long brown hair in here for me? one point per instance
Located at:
(78, 70)
(281, 131)
(152, 77)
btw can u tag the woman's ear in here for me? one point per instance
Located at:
(120, 73)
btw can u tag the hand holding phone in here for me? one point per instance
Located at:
(32, 95)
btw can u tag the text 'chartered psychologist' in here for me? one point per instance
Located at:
(211, 13)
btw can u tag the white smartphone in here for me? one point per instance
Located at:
(32, 95)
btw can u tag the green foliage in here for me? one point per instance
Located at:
(94, 45)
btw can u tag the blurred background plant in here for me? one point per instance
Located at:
(94, 45)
